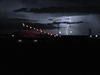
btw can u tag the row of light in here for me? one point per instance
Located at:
(20, 41)
(35, 41)
(50, 34)
(40, 30)
(95, 36)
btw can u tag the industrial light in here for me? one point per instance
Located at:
(19, 40)
(96, 35)
(35, 41)
(56, 34)
(26, 25)
(51, 34)
(13, 35)
(30, 27)
(90, 36)
(59, 32)
(40, 30)
(37, 30)
(23, 24)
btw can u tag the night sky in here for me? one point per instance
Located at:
(7, 5)
(10, 5)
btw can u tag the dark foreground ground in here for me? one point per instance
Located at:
(55, 73)
(25, 47)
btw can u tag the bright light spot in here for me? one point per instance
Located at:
(26, 25)
(59, 32)
(37, 30)
(30, 27)
(34, 28)
(96, 35)
(91, 36)
(35, 40)
(51, 34)
(41, 31)
(13, 35)
(71, 32)
(19, 41)
(23, 24)
(56, 35)
(48, 33)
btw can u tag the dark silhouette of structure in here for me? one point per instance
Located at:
(90, 31)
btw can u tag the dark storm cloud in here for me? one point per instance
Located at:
(48, 3)
(43, 3)
(39, 3)
(58, 10)
(9, 5)
(59, 6)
